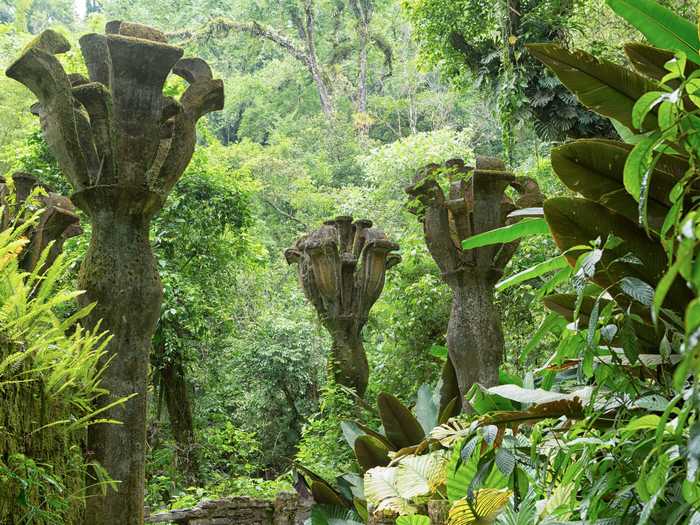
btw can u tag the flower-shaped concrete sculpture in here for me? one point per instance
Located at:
(56, 223)
(342, 267)
(477, 202)
(123, 145)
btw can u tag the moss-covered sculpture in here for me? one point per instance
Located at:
(56, 223)
(342, 267)
(477, 202)
(123, 145)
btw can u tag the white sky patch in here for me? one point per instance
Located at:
(80, 8)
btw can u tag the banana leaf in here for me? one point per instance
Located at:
(602, 86)
(576, 222)
(370, 453)
(401, 427)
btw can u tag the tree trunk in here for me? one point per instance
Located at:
(350, 366)
(119, 274)
(177, 399)
(474, 335)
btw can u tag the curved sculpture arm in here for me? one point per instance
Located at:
(434, 213)
(40, 71)
(203, 96)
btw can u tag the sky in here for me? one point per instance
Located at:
(79, 8)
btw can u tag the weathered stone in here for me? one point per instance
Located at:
(342, 267)
(477, 203)
(235, 511)
(57, 222)
(123, 145)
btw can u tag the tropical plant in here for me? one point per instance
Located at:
(50, 374)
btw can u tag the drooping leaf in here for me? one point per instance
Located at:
(401, 427)
(661, 26)
(537, 395)
(370, 452)
(351, 432)
(449, 433)
(572, 409)
(506, 234)
(426, 409)
(550, 265)
(452, 409)
(638, 290)
(602, 86)
(575, 222)
(324, 494)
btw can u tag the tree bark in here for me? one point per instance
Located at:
(119, 274)
(474, 336)
(350, 366)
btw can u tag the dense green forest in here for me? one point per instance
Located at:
(414, 261)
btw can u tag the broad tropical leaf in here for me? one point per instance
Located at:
(324, 494)
(485, 507)
(602, 86)
(416, 519)
(420, 475)
(370, 452)
(450, 432)
(538, 396)
(648, 60)
(380, 484)
(461, 471)
(572, 409)
(401, 427)
(661, 26)
(506, 234)
(329, 515)
(550, 265)
(576, 222)
(426, 409)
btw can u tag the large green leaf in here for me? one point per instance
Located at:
(330, 515)
(370, 432)
(595, 167)
(661, 26)
(420, 475)
(565, 305)
(324, 494)
(576, 222)
(461, 472)
(401, 427)
(650, 60)
(426, 409)
(510, 233)
(415, 519)
(370, 452)
(543, 268)
(604, 87)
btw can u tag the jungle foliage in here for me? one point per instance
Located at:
(334, 108)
